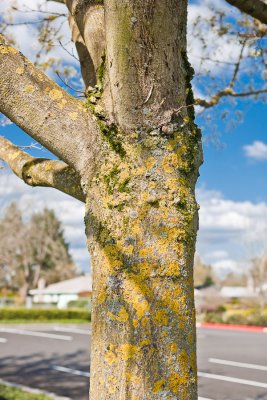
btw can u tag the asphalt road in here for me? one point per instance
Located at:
(232, 364)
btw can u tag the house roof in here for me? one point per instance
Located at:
(71, 286)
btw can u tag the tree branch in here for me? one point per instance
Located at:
(226, 92)
(255, 8)
(46, 112)
(86, 62)
(88, 33)
(237, 65)
(40, 171)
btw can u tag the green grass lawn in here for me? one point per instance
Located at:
(10, 393)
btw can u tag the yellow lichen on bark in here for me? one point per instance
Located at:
(7, 50)
(73, 115)
(30, 89)
(55, 94)
(122, 316)
(20, 70)
(135, 296)
(159, 385)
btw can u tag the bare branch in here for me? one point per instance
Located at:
(255, 8)
(40, 171)
(237, 65)
(226, 93)
(46, 112)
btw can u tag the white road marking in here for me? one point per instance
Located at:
(32, 333)
(238, 364)
(71, 371)
(72, 330)
(203, 398)
(3, 340)
(233, 380)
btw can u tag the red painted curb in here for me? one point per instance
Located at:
(215, 325)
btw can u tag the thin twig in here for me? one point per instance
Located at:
(66, 84)
(67, 51)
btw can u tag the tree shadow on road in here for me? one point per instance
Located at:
(37, 371)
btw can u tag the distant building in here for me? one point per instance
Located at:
(61, 293)
(207, 298)
(237, 292)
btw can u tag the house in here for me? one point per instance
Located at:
(207, 298)
(237, 292)
(61, 293)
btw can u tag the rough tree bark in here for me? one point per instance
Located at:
(136, 151)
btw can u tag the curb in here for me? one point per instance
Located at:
(33, 391)
(217, 325)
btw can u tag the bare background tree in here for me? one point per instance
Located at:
(258, 273)
(32, 250)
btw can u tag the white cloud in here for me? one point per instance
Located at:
(256, 151)
(217, 254)
(224, 215)
(225, 265)
(231, 232)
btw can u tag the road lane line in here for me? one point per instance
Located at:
(238, 364)
(33, 333)
(3, 340)
(233, 380)
(203, 398)
(72, 330)
(71, 371)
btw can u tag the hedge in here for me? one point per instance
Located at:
(238, 319)
(43, 314)
(10, 393)
(82, 303)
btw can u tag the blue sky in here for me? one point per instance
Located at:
(227, 168)
(232, 189)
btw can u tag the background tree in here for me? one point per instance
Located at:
(33, 250)
(235, 279)
(131, 151)
(203, 274)
(255, 248)
(258, 272)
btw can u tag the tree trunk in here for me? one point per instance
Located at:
(141, 213)
(23, 292)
